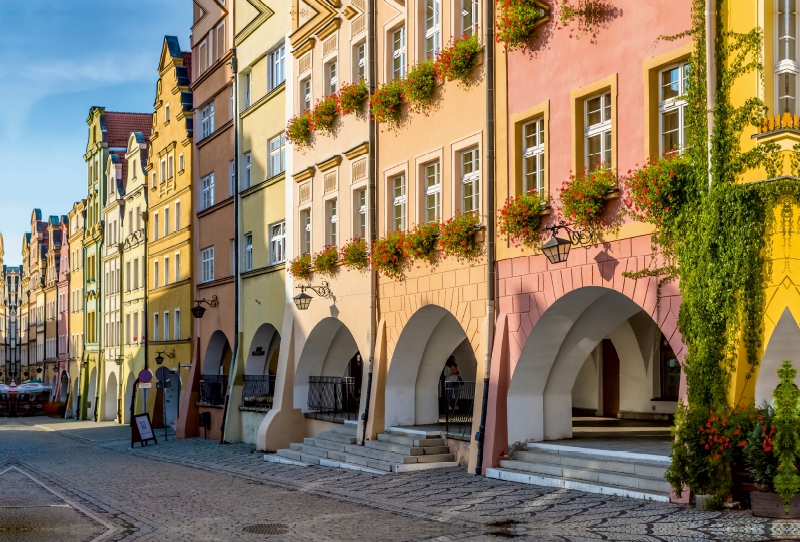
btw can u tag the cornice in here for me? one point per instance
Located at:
(217, 282)
(264, 99)
(223, 128)
(304, 175)
(330, 163)
(307, 45)
(263, 184)
(358, 150)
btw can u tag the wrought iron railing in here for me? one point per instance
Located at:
(213, 389)
(258, 391)
(333, 395)
(459, 401)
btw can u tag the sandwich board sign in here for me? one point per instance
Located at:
(142, 430)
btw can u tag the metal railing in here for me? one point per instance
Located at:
(459, 401)
(258, 391)
(213, 389)
(333, 395)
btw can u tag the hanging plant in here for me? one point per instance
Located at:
(298, 130)
(583, 197)
(351, 97)
(455, 62)
(419, 86)
(323, 117)
(521, 217)
(390, 254)
(422, 241)
(516, 22)
(300, 267)
(386, 103)
(654, 192)
(458, 237)
(354, 254)
(325, 260)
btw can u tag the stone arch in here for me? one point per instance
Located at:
(262, 357)
(92, 398)
(111, 398)
(63, 388)
(569, 329)
(328, 350)
(784, 343)
(218, 355)
(429, 337)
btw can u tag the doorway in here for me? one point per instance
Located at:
(610, 380)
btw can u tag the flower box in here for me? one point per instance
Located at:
(770, 505)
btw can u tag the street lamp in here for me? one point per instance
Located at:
(303, 300)
(198, 310)
(160, 358)
(557, 248)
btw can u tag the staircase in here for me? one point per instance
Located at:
(397, 450)
(610, 472)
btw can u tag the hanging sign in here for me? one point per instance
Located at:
(142, 430)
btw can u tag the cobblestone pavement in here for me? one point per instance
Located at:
(200, 490)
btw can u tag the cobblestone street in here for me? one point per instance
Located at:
(76, 481)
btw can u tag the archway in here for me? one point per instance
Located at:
(91, 399)
(261, 367)
(63, 389)
(322, 382)
(413, 383)
(783, 344)
(130, 382)
(111, 398)
(215, 370)
(576, 330)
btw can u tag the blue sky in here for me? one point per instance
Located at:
(57, 59)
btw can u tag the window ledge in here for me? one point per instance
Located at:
(263, 270)
(263, 184)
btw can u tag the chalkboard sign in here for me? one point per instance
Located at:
(142, 430)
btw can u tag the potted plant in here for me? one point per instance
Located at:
(386, 103)
(422, 241)
(455, 62)
(419, 86)
(773, 451)
(325, 261)
(352, 96)
(298, 130)
(300, 267)
(390, 254)
(654, 192)
(521, 217)
(354, 254)
(458, 236)
(583, 197)
(323, 117)
(516, 22)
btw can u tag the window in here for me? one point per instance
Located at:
(176, 331)
(248, 252)
(177, 267)
(277, 63)
(208, 191)
(333, 222)
(433, 192)
(277, 155)
(277, 243)
(166, 325)
(177, 215)
(136, 274)
(305, 95)
(127, 276)
(166, 270)
(166, 113)
(181, 165)
(163, 171)
(203, 58)
(247, 170)
(166, 221)
(433, 27)
(672, 108)
(469, 17)
(127, 329)
(248, 89)
(470, 181)
(231, 178)
(533, 156)
(221, 38)
(361, 213)
(399, 53)
(399, 202)
(305, 224)
(155, 229)
(598, 131)
(207, 120)
(230, 101)
(330, 73)
(786, 68)
(135, 326)
(155, 325)
(155, 274)
(207, 256)
(360, 63)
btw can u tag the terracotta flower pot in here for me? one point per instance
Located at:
(770, 505)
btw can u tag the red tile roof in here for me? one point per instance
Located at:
(187, 61)
(120, 125)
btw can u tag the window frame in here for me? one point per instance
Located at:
(399, 53)
(537, 152)
(280, 151)
(604, 129)
(207, 264)
(248, 252)
(429, 190)
(473, 178)
(277, 241)
(786, 67)
(248, 167)
(398, 201)
(207, 191)
(277, 66)
(432, 31)
(673, 104)
(332, 222)
(306, 226)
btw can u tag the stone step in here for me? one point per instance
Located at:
(327, 444)
(597, 453)
(523, 477)
(436, 458)
(368, 462)
(299, 456)
(273, 458)
(437, 450)
(415, 432)
(345, 429)
(410, 440)
(638, 468)
(336, 437)
(394, 448)
(380, 455)
(311, 450)
(592, 475)
(350, 466)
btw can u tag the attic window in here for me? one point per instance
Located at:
(166, 113)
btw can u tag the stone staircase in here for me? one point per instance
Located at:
(397, 450)
(610, 472)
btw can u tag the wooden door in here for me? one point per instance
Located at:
(610, 380)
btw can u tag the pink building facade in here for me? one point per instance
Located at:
(63, 308)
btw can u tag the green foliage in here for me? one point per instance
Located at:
(458, 237)
(582, 197)
(455, 62)
(654, 193)
(759, 450)
(787, 440)
(325, 260)
(419, 86)
(354, 254)
(521, 218)
(516, 22)
(300, 267)
(351, 97)
(298, 130)
(422, 241)
(386, 103)
(323, 117)
(390, 254)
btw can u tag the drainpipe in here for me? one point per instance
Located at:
(490, 249)
(372, 72)
(237, 278)
(711, 74)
